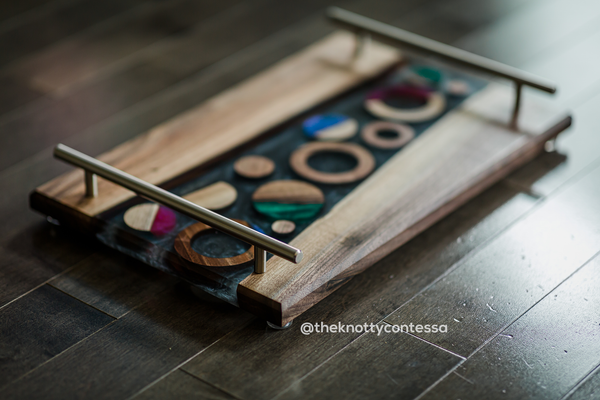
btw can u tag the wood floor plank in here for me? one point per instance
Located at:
(52, 121)
(35, 255)
(134, 351)
(588, 389)
(41, 325)
(15, 93)
(181, 385)
(543, 354)
(60, 22)
(576, 151)
(481, 296)
(448, 21)
(14, 9)
(120, 42)
(538, 29)
(580, 143)
(389, 366)
(558, 67)
(112, 282)
(261, 353)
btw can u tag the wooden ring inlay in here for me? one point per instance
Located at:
(370, 134)
(365, 162)
(434, 106)
(183, 247)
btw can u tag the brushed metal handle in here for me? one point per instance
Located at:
(261, 242)
(365, 27)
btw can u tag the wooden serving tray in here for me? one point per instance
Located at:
(460, 155)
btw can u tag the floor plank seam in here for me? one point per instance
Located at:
(179, 366)
(46, 282)
(581, 382)
(82, 301)
(59, 354)
(433, 344)
(87, 337)
(434, 384)
(319, 366)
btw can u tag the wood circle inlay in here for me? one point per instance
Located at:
(288, 200)
(254, 167)
(365, 162)
(370, 134)
(283, 227)
(214, 197)
(458, 87)
(183, 247)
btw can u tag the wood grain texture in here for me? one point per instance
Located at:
(260, 353)
(536, 348)
(480, 297)
(132, 352)
(239, 114)
(41, 325)
(455, 159)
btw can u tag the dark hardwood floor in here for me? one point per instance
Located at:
(514, 273)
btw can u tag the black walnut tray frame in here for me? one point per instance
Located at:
(490, 134)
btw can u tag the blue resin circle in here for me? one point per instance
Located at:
(333, 127)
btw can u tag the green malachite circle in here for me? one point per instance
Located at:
(292, 212)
